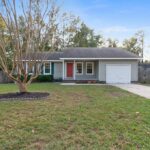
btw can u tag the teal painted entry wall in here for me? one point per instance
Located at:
(52, 68)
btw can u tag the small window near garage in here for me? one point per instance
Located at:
(89, 68)
(79, 68)
(47, 68)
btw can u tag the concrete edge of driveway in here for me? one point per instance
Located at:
(141, 90)
(138, 89)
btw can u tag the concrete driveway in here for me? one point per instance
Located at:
(140, 90)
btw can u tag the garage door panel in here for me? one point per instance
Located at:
(118, 73)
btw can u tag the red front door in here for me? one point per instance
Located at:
(69, 69)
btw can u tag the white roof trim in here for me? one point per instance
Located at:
(43, 60)
(61, 59)
(100, 58)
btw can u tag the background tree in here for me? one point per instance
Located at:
(140, 36)
(135, 44)
(2, 25)
(85, 37)
(112, 42)
(70, 25)
(31, 27)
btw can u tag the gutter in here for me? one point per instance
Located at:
(101, 58)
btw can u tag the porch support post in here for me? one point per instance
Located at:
(26, 67)
(99, 70)
(74, 70)
(44, 68)
(63, 70)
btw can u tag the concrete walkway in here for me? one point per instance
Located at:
(81, 84)
(138, 89)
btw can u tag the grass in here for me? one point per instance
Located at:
(146, 84)
(74, 118)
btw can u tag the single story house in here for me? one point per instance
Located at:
(109, 65)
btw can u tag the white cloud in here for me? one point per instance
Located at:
(121, 29)
(115, 29)
(125, 11)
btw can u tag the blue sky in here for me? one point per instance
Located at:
(118, 19)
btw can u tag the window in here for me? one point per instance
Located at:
(90, 68)
(47, 68)
(30, 68)
(79, 68)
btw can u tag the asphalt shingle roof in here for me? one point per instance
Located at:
(84, 53)
(97, 53)
(43, 56)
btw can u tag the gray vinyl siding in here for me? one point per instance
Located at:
(134, 68)
(100, 69)
(57, 70)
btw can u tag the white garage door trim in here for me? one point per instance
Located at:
(118, 73)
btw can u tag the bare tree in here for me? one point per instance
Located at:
(27, 41)
(112, 42)
(141, 37)
(135, 44)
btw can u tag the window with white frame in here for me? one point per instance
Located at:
(89, 68)
(30, 68)
(79, 68)
(47, 68)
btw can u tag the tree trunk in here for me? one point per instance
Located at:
(22, 87)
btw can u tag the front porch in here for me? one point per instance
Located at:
(81, 70)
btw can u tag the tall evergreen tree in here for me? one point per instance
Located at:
(85, 37)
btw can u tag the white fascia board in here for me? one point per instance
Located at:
(61, 59)
(101, 58)
(43, 60)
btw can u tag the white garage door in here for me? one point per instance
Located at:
(118, 73)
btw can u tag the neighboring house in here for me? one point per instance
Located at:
(110, 65)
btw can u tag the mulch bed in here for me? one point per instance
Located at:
(24, 96)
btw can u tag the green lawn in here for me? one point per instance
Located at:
(74, 118)
(146, 84)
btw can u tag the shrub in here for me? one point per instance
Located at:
(40, 78)
(22, 77)
(44, 78)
